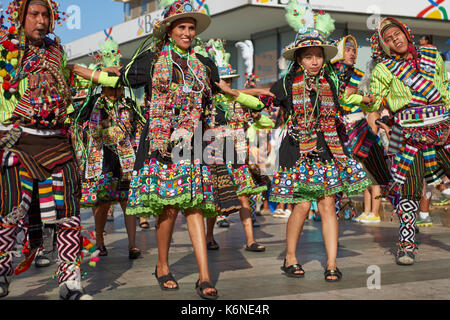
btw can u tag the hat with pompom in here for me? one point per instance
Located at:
(312, 29)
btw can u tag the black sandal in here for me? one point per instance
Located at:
(333, 273)
(254, 247)
(103, 251)
(144, 225)
(164, 279)
(291, 270)
(212, 245)
(205, 285)
(134, 253)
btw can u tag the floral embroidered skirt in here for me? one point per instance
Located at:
(309, 178)
(185, 185)
(246, 180)
(105, 188)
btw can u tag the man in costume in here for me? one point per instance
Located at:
(363, 141)
(413, 84)
(38, 170)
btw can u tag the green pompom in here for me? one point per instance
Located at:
(299, 15)
(110, 53)
(166, 3)
(325, 23)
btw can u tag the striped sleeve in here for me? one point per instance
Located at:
(379, 87)
(442, 81)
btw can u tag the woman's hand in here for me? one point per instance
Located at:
(114, 70)
(258, 92)
(226, 89)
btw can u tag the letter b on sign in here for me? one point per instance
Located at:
(374, 281)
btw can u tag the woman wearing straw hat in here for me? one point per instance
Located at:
(313, 164)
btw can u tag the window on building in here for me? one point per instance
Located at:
(266, 57)
(127, 10)
(144, 6)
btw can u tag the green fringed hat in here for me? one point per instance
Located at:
(108, 56)
(312, 29)
(179, 9)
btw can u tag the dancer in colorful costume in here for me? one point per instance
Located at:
(363, 142)
(230, 117)
(38, 169)
(169, 174)
(313, 163)
(413, 84)
(109, 154)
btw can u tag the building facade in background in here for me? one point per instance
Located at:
(263, 22)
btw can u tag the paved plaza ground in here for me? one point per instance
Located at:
(242, 275)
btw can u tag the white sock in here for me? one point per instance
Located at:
(424, 215)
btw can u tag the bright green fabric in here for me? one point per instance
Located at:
(249, 101)
(384, 85)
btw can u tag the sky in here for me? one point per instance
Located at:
(90, 16)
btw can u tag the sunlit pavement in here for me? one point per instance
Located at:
(365, 258)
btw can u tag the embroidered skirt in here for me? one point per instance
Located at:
(185, 185)
(309, 178)
(111, 186)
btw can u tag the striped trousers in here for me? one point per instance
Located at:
(411, 193)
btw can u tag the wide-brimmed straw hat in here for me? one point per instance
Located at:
(307, 39)
(313, 30)
(180, 9)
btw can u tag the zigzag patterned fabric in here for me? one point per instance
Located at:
(407, 212)
(8, 235)
(69, 248)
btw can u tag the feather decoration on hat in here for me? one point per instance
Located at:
(110, 53)
(301, 17)
(166, 3)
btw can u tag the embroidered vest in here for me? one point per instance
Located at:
(175, 105)
(43, 103)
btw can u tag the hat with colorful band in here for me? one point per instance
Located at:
(179, 9)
